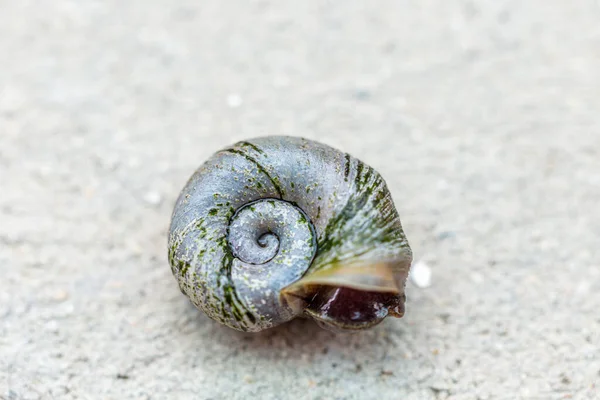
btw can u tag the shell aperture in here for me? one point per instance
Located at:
(279, 227)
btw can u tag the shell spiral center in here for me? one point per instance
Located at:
(265, 230)
(273, 243)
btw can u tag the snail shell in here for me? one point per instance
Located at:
(279, 227)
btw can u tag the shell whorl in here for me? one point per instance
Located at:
(264, 214)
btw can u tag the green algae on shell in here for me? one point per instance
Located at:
(279, 227)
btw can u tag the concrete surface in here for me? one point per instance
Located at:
(484, 117)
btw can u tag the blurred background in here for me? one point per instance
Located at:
(483, 117)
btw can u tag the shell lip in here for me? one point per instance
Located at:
(379, 276)
(349, 297)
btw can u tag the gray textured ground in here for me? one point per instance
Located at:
(484, 117)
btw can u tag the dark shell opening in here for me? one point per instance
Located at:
(342, 308)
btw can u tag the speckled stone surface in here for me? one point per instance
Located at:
(483, 117)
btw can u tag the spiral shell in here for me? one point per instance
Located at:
(279, 227)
